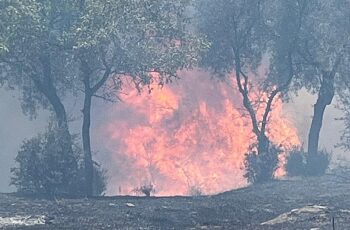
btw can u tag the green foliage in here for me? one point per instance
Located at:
(32, 31)
(299, 163)
(132, 38)
(296, 162)
(317, 164)
(57, 47)
(136, 38)
(232, 28)
(99, 181)
(261, 168)
(45, 167)
(323, 44)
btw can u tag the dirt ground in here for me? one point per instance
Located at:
(312, 203)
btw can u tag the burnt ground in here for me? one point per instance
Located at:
(286, 204)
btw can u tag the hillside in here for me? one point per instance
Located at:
(286, 204)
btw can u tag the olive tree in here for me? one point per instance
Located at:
(128, 39)
(61, 47)
(241, 33)
(322, 58)
(35, 62)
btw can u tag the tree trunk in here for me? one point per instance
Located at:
(58, 108)
(89, 171)
(263, 144)
(89, 92)
(85, 132)
(47, 88)
(325, 97)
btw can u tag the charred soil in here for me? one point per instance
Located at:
(302, 203)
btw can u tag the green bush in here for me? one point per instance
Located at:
(299, 163)
(317, 165)
(100, 181)
(46, 167)
(261, 168)
(296, 162)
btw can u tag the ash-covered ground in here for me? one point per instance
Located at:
(303, 203)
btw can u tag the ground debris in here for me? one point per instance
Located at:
(130, 205)
(302, 204)
(299, 214)
(22, 221)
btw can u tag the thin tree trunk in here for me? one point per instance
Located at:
(89, 170)
(89, 92)
(325, 97)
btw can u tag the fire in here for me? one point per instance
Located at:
(191, 134)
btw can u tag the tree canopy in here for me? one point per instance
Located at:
(66, 47)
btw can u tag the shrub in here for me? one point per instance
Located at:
(147, 190)
(261, 167)
(46, 167)
(100, 181)
(317, 165)
(296, 162)
(299, 163)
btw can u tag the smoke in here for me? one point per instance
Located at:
(300, 108)
(15, 127)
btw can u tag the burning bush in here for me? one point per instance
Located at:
(261, 167)
(147, 190)
(45, 167)
(299, 163)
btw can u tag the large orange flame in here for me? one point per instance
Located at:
(191, 134)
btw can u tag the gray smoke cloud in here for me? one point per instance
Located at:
(300, 109)
(14, 128)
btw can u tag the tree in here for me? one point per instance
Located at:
(146, 41)
(241, 33)
(96, 41)
(322, 55)
(35, 61)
